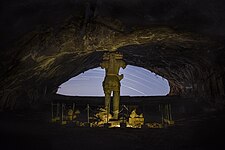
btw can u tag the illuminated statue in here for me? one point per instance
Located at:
(112, 63)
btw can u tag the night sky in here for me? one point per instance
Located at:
(137, 81)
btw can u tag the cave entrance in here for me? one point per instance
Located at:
(137, 85)
(137, 81)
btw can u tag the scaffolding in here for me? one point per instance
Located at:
(99, 117)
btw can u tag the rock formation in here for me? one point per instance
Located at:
(44, 44)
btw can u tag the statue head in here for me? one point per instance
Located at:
(112, 55)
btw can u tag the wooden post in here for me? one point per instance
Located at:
(162, 113)
(170, 113)
(62, 113)
(167, 111)
(123, 114)
(73, 107)
(57, 110)
(88, 117)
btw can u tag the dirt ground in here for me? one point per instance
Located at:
(33, 131)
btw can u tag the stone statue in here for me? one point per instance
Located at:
(112, 62)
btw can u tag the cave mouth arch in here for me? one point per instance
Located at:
(137, 81)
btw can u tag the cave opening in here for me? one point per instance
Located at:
(137, 82)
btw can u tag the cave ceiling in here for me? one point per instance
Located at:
(45, 43)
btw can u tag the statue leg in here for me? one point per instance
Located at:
(107, 101)
(116, 104)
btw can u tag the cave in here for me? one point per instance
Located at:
(46, 43)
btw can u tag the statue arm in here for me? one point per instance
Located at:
(123, 64)
(120, 77)
(103, 64)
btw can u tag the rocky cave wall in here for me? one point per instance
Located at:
(46, 43)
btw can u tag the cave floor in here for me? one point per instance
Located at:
(33, 131)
